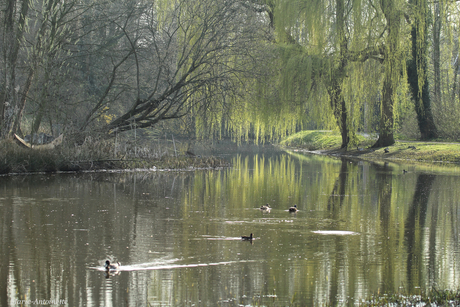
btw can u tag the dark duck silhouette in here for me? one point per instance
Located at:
(112, 266)
(293, 209)
(246, 238)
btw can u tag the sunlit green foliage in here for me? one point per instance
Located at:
(321, 64)
(311, 46)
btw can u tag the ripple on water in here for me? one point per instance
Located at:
(167, 265)
(336, 232)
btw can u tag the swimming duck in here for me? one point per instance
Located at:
(265, 207)
(293, 209)
(247, 238)
(112, 266)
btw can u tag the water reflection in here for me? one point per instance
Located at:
(361, 228)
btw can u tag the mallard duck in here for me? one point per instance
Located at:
(247, 238)
(112, 266)
(265, 207)
(293, 209)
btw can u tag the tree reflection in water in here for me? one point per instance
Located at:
(361, 228)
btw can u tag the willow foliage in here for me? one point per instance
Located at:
(331, 54)
(315, 48)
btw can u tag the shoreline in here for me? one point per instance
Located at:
(402, 151)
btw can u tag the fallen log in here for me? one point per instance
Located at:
(57, 141)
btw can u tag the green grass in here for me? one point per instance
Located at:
(329, 142)
(319, 140)
(418, 151)
(313, 140)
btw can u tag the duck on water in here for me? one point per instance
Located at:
(112, 266)
(265, 207)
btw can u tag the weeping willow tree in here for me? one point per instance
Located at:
(332, 40)
(226, 105)
(274, 104)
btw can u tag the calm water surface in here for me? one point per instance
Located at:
(361, 229)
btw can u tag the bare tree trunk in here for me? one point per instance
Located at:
(22, 102)
(456, 68)
(42, 103)
(36, 60)
(437, 54)
(46, 41)
(13, 34)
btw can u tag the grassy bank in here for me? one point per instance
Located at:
(329, 143)
(430, 298)
(99, 154)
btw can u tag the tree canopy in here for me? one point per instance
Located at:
(257, 69)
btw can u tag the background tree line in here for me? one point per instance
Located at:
(245, 68)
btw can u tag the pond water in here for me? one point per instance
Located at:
(361, 228)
